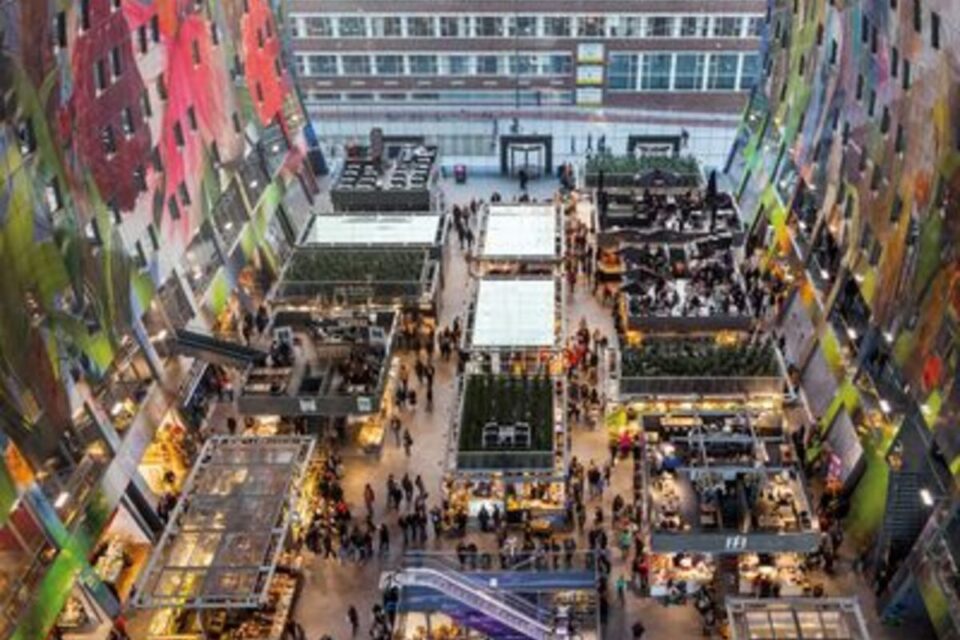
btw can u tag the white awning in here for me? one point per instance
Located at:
(520, 231)
(515, 313)
(372, 229)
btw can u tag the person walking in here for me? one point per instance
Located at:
(407, 441)
(368, 498)
(622, 589)
(396, 426)
(354, 618)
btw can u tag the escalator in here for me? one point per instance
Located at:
(214, 350)
(484, 607)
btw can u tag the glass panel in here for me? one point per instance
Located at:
(656, 71)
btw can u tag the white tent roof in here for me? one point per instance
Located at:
(515, 313)
(521, 231)
(374, 229)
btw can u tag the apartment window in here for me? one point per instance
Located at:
(321, 65)
(143, 43)
(215, 153)
(454, 26)
(722, 72)
(108, 140)
(154, 240)
(145, 104)
(659, 27)
(174, 208)
(591, 26)
(860, 82)
(523, 26)
(84, 15)
(392, 97)
(386, 27)
(489, 27)
(556, 27)
(558, 64)
(100, 75)
(934, 29)
(894, 62)
(300, 65)
(420, 27)
(195, 51)
(727, 26)
(917, 16)
(184, 194)
(60, 25)
(235, 118)
(872, 103)
(126, 121)
(192, 118)
(352, 27)
(755, 26)
(693, 27)
(178, 134)
(423, 65)
(656, 71)
(26, 137)
(161, 87)
(900, 145)
(488, 65)
(214, 34)
(389, 65)
(750, 71)
(622, 72)
(319, 96)
(155, 28)
(318, 27)
(156, 161)
(906, 74)
(458, 65)
(688, 74)
(53, 195)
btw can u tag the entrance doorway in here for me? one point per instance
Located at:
(528, 158)
(533, 154)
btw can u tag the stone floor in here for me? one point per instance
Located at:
(330, 586)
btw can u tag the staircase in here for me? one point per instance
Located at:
(214, 350)
(509, 610)
(905, 514)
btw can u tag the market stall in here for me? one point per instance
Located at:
(511, 451)
(675, 575)
(167, 458)
(383, 231)
(389, 175)
(724, 483)
(224, 567)
(724, 365)
(797, 618)
(516, 325)
(520, 239)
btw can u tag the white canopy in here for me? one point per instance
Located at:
(520, 231)
(515, 313)
(370, 229)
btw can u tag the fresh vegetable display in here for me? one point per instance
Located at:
(686, 165)
(356, 266)
(689, 358)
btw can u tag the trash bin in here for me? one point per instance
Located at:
(460, 173)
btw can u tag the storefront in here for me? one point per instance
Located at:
(226, 567)
(121, 553)
(167, 458)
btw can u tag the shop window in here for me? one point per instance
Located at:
(456, 65)
(934, 29)
(392, 27)
(591, 26)
(659, 26)
(488, 65)
(322, 65)
(423, 65)
(523, 26)
(116, 63)
(727, 26)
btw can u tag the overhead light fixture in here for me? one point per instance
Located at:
(852, 333)
(228, 226)
(884, 406)
(254, 184)
(926, 497)
(116, 408)
(61, 500)
(888, 337)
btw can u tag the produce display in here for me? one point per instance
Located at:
(356, 266)
(643, 164)
(689, 358)
(506, 401)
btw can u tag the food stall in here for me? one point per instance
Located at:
(327, 367)
(511, 451)
(686, 572)
(767, 574)
(225, 566)
(383, 231)
(167, 458)
(726, 365)
(520, 239)
(392, 174)
(516, 325)
(800, 618)
(121, 553)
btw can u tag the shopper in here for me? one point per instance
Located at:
(407, 441)
(396, 426)
(384, 534)
(368, 498)
(354, 618)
